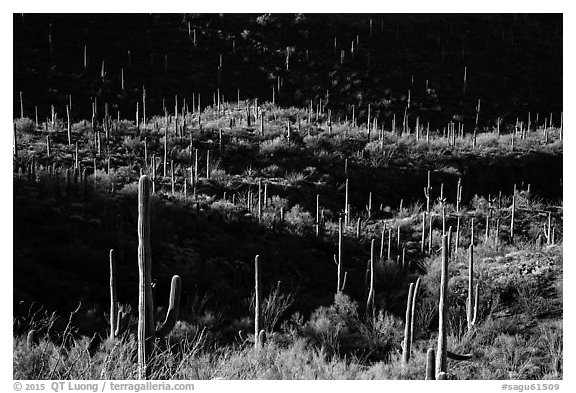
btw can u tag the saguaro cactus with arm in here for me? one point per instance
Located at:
(146, 328)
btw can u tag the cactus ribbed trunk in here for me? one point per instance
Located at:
(441, 356)
(382, 242)
(256, 300)
(346, 207)
(412, 317)
(113, 298)
(512, 219)
(408, 328)
(457, 240)
(15, 142)
(259, 200)
(165, 147)
(370, 301)
(340, 263)
(317, 214)
(389, 253)
(430, 235)
(423, 232)
(69, 126)
(430, 364)
(469, 304)
(145, 306)
(208, 164)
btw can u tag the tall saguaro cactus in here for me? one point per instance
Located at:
(441, 356)
(371, 294)
(256, 300)
(15, 143)
(471, 303)
(513, 208)
(145, 305)
(427, 192)
(113, 298)
(341, 282)
(408, 327)
(413, 309)
(146, 329)
(346, 206)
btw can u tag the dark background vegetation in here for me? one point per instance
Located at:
(514, 61)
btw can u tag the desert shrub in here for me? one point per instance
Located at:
(274, 306)
(276, 202)
(317, 142)
(327, 325)
(132, 144)
(25, 125)
(122, 176)
(339, 330)
(220, 176)
(272, 170)
(278, 145)
(82, 128)
(299, 219)
(373, 147)
(294, 177)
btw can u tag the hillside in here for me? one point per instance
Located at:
(346, 201)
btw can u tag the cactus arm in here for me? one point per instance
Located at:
(122, 321)
(173, 308)
(32, 339)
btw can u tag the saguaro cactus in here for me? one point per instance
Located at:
(441, 356)
(173, 308)
(262, 338)
(430, 364)
(256, 300)
(423, 232)
(341, 281)
(512, 219)
(259, 200)
(145, 305)
(371, 294)
(413, 310)
(458, 195)
(32, 340)
(146, 328)
(15, 142)
(427, 192)
(113, 298)
(471, 303)
(346, 206)
(317, 215)
(407, 328)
